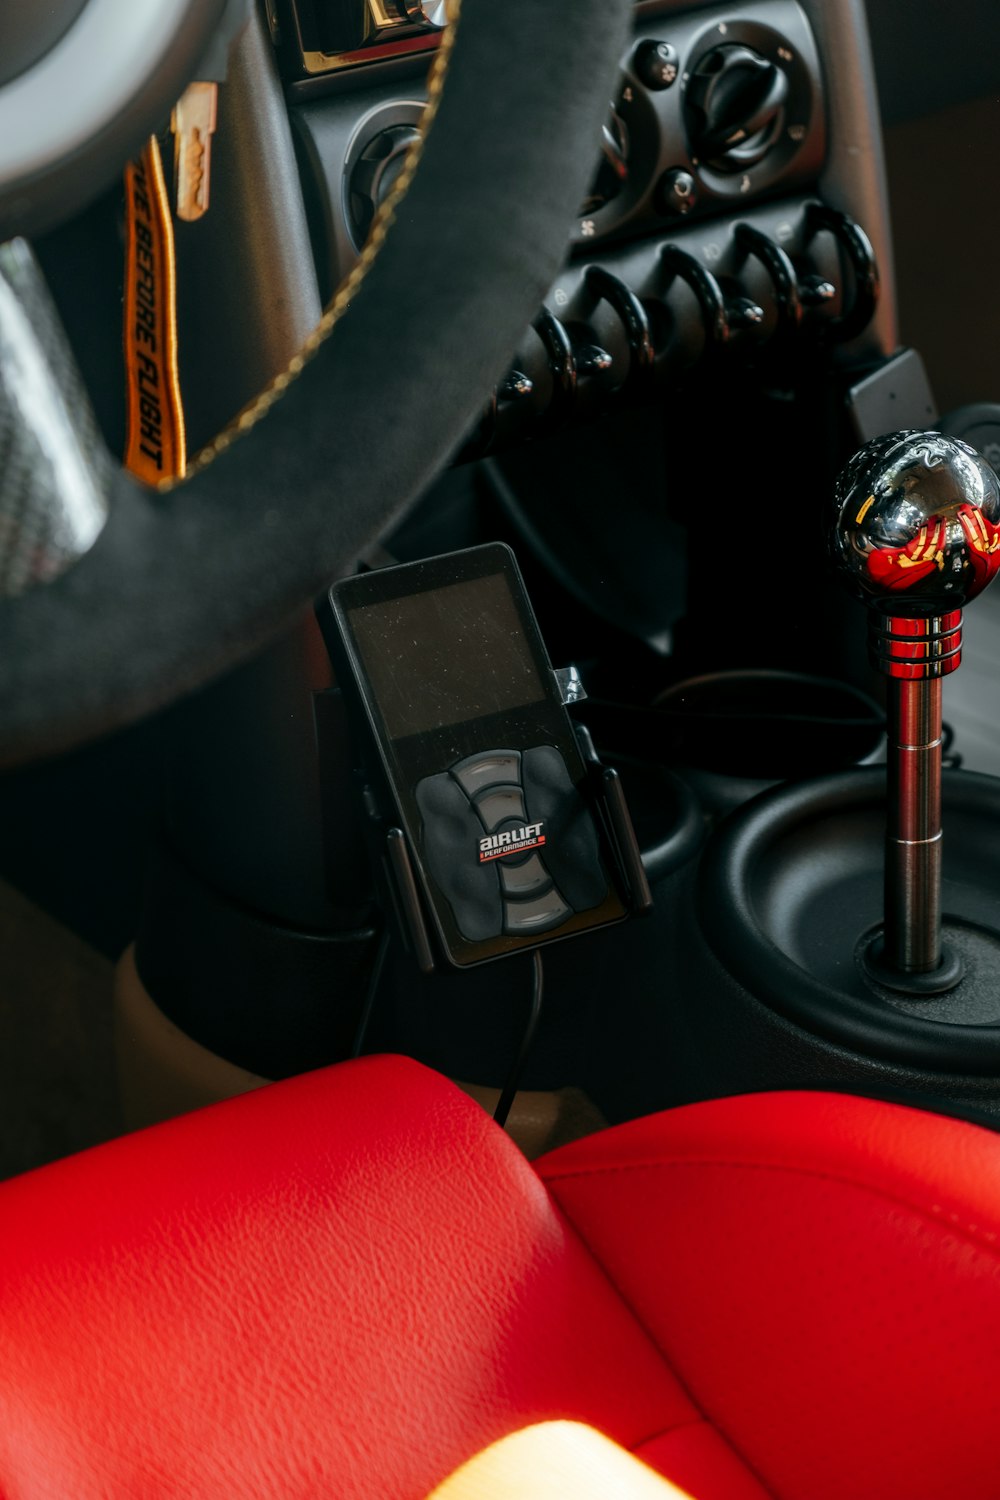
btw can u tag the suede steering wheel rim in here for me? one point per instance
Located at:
(183, 584)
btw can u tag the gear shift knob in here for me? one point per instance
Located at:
(916, 535)
(917, 532)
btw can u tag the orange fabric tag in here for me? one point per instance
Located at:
(155, 445)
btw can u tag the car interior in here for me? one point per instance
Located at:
(499, 885)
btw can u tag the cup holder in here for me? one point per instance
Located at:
(769, 726)
(667, 818)
(731, 734)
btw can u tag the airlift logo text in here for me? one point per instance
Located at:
(515, 842)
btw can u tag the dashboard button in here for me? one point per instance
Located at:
(480, 771)
(501, 805)
(535, 916)
(527, 878)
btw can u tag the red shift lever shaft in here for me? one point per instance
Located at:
(916, 535)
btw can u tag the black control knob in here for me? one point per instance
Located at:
(676, 192)
(612, 174)
(377, 169)
(735, 107)
(657, 64)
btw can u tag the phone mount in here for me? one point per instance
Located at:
(495, 827)
(572, 886)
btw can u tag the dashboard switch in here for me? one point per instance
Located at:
(612, 171)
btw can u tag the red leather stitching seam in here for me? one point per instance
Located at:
(935, 1215)
(704, 1419)
(654, 1437)
(969, 1233)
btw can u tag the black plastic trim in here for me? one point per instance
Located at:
(730, 926)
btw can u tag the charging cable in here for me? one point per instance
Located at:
(513, 1077)
(374, 980)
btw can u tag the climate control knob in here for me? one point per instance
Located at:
(735, 107)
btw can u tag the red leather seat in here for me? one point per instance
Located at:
(348, 1284)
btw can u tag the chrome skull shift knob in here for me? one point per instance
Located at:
(916, 535)
(917, 527)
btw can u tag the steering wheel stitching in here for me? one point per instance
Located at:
(185, 583)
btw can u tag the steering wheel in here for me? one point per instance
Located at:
(184, 583)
